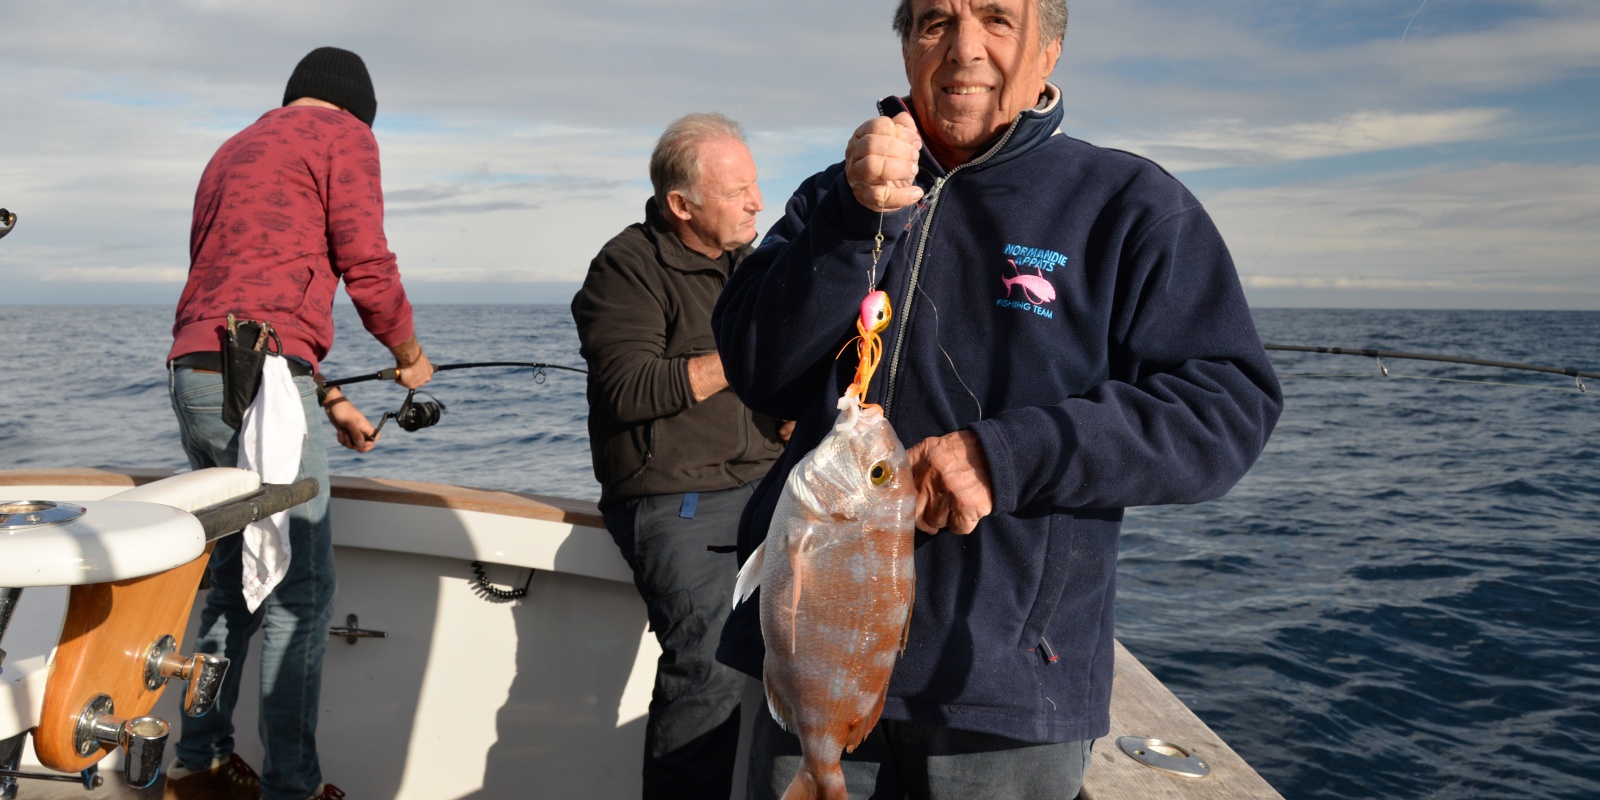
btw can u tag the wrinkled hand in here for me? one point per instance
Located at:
(706, 377)
(412, 368)
(350, 424)
(880, 162)
(951, 474)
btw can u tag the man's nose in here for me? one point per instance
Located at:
(753, 200)
(966, 42)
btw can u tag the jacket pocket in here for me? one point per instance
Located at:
(1052, 581)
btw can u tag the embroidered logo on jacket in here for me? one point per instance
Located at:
(1025, 290)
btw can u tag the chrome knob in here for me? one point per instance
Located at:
(142, 739)
(203, 672)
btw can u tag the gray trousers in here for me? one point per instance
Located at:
(926, 762)
(692, 733)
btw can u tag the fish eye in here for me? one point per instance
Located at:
(881, 473)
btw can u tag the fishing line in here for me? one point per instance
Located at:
(952, 362)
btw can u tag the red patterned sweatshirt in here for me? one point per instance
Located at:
(285, 210)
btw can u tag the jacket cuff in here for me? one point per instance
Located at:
(1002, 465)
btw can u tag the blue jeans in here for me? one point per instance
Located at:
(926, 762)
(293, 619)
(692, 733)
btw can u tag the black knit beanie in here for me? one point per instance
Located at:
(337, 76)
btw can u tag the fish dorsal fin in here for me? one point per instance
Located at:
(749, 575)
(858, 732)
(911, 604)
(780, 711)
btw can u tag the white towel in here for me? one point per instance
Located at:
(270, 439)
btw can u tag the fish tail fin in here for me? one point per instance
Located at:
(749, 575)
(817, 782)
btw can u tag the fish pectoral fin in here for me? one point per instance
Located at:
(749, 575)
(799, 566)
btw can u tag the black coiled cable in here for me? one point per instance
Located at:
(495, 593)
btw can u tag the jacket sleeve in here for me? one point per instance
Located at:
(357, 248)
(622, 330)
(1188, 408)
(792, 303)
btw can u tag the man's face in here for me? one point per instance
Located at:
(725, 216)
(974, 65)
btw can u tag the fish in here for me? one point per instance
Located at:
(1035, 287)
(838, 583)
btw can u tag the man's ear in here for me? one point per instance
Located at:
(678, 205)
(1052, 54)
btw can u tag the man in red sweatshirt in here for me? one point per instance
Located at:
(286, 210)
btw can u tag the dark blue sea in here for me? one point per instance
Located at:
(1401, 600)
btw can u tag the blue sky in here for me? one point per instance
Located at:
(1355, 153)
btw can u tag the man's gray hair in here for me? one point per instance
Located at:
(675, 163)
(1052, 21)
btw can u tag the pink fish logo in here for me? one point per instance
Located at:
(1038, 290)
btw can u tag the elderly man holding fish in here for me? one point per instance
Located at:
(1068, 338)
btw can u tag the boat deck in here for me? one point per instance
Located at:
(1141, 706)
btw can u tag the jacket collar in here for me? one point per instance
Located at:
(1030, 129)
(674, 253)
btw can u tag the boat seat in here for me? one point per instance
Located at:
(137, 532)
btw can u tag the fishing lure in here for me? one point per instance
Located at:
(870, 325)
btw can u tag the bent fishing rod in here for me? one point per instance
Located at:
(414, 415)
(389, 374)
(1380, 355)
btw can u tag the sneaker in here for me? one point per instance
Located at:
(225, 779)
(329, 792)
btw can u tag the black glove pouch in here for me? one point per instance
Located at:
(245, 347)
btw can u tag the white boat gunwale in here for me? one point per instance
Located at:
(494, 526)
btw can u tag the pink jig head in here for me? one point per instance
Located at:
(870, 325)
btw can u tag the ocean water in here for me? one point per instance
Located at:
(1401, 600)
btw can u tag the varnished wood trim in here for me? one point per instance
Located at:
(378, 490)
(108, 631)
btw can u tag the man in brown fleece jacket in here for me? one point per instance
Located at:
(675, 452)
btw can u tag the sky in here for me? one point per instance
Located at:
(1354, 153)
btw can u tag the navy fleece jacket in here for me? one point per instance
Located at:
(1076, 309)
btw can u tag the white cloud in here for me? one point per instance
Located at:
(1497, 228)
(1228, 143)
(515, 135)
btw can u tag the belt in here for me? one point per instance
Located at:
(211, 361)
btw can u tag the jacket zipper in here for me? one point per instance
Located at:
(916, 263)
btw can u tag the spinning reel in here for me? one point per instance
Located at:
(413, 415)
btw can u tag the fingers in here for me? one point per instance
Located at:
(354, 430)
(416, 374)
(881, 163)
(951, 475)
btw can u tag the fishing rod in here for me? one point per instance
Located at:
(388, 374)
(1380, 355)
(414, 415)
